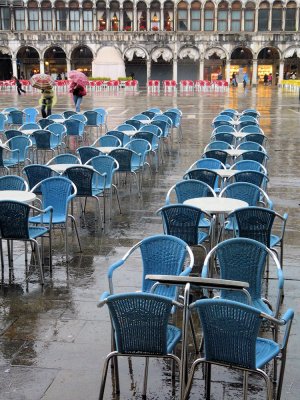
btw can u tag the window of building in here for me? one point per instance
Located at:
(87, 15)
(155, 15)
(290, 16)
(182, 16)
(61, 16)
(101, 15)
(209, 16)
(19, 12)
(115, 16)
(168, 16)
(195, 16)
(33, 16)
(4, 17)
(142, 16)
(74, 16)
(263, 16)
(277, 16)
(236, 16)
(223, 17)
(249, 17)
(127, 16)
(46, 16)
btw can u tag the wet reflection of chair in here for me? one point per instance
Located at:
(141, 329)
(230, 331)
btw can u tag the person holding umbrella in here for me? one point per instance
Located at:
(77, 87)
(45, 83)
(19, 85)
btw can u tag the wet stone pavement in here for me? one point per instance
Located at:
(53, 342)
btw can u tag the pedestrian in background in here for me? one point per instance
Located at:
(19, 86)
(78, 90)
(47, 101)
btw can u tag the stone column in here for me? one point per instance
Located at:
(256, 20)
(95, 22)
(254, 72)
(42, 66)
(229, 19)
(201, 69)
(53, 13)
(14, 66)
(148, 22)
(297, 19)
(148, 65)
(281, 71)
(161, 17)
(270, 20)
(108, 24)
(283, 18)
(68, 61)
(134, 23)
(227, 71)
(121, 22)
(189, 18)
(243, 19)
(175, 69)
(12, 18)
(80, 18)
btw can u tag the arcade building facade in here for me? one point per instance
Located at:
(189, 39)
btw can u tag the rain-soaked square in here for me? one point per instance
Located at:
(54, 340)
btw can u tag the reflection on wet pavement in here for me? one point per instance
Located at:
(53, 342)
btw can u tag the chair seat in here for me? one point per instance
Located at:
(57, 218)
(36, 231)
(274, 240)
(266, 350)
(97, 191)
(204, 223)
(174, 335)
(262, 306)
(10, 162)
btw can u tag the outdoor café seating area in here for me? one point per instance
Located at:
(207, 292)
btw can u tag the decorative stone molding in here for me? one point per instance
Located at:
(137, 51)
(290, 52)
(166, 54)
(215, 50)
(5, 50)
(189, 52)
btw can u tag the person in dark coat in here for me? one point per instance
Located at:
(19, 85)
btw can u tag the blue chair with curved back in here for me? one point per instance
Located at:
(152, 128)
(83, 178)
(261, 224)
(209, 163)
(125, 128)
(217, 145)
(155, 110)
(140, 325)
(153, 140)
(9, 133)
(44, 122)
(8, 158)
(149, 114)
(129, 163)
(6, 112)
(106, 165)
(183, 221)
(227, 137)
(248, 145)
(222, 120)
(165, 128)
(249, 165)
(227, 326)
(66, 158)
(45, 141)
(35, 173)
(93, 120)
(251, 112)
(58, 192)
(246, 123)
(255, 137)
(68, 113)
(143, 148)
(13, 182)
(175, 117)
(86, 153)
(30, 114)
(255, 155)
(56, 118)
(124, 139)
(142, 117)
(224, 128)
(252, 129)
(103, 117)
(29, 125)
(255, 177)
(22, 145)
(220, 155)
(246, 117)
(16, 117)
(3, 122)
(74, 128)
(79, 117)
(15, 225)
(60, 130)
(107, 141)
(137, 124)
(207, 176)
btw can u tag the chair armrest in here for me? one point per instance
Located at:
(113, 267)
(103, 299)
(186, 271)
(280, 278)
(287, 320)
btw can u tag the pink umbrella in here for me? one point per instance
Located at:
(78, 77)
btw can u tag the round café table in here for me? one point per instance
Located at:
(216, 205)
(60, 168)
(17, 195)
(106, 149)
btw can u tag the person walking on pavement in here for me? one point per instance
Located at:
(19, 85)
(47, 101)
(78, 90)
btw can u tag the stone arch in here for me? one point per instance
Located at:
(108, 63)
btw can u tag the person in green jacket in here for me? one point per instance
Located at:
(47, 101)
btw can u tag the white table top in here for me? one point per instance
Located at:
(234, 152)
(129, 133)
(225, 173)
(60, 168)
(145, 121)
(58, 120)
(106, 149)
(216, 205)
(29, 131)
(17, 195)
